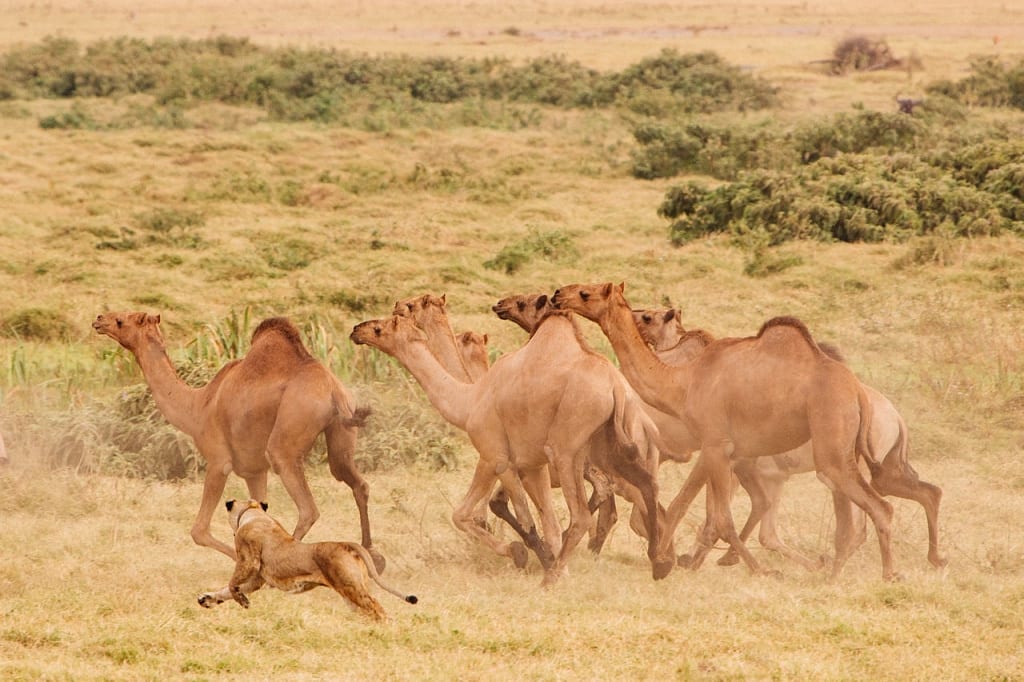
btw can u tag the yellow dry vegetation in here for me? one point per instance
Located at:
(98, 575)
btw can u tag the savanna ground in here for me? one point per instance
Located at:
(218, 214)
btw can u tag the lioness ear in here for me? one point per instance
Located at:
(264, 506)
(229, 504)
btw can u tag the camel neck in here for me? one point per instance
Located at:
(449, 396)
(173, 397)
(658, 384)
(441, 341)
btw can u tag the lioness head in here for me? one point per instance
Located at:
(237, 509)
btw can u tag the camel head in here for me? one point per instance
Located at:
(414, 307)
(473, 348)
(129, 329)
(592, 301)
(661, 328)
(526, 310)
(387, 334)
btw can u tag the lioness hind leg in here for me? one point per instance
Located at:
(347, 575)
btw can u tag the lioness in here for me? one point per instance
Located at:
(267, 553)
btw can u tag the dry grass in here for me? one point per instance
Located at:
(99, 576)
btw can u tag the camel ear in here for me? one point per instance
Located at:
(139, 318)
(542, 301)
(485, 339)
(670, 315)
(155, 319)
(264, 506)
(444, 298)
(607, 291)
(622, 287)
(229, 504)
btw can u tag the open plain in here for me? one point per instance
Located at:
(217, 214)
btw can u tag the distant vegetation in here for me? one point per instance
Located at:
(857, 176)
(326, 85)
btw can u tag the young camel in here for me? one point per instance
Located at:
(751, 397)
(662, 329)
(536, 407)
(261, 412)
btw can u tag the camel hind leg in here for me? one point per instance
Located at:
(341, 446)
(899, 482)
(846, 480)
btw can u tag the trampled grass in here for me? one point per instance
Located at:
(217, 216)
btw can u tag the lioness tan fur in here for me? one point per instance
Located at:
(268, 554)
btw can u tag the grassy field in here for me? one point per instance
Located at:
(228, 214)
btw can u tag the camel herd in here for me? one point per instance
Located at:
(557, 414)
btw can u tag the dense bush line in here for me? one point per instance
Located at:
(319, 84)
(860, 197)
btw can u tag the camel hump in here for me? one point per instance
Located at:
(793, 323)
(283, 328)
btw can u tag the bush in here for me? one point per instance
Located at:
(554, 245)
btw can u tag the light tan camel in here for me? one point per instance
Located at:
(522, 420)
(751, 397)
(431, 315)
(261, 412)
(663, 330)
(527, 311)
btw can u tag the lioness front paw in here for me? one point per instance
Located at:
(208, 600)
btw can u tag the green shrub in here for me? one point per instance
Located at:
(555, 245)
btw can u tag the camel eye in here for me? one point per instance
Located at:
(120, 322)
(520, 305)
(376, 330)
(584, 295)
(647, 319)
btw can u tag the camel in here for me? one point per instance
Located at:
(527, 311)
(430, 314)
(261, 412)
(663, 330)
(522, 420)
(750, 397)
(473, 348)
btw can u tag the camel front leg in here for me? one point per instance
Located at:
(570, 473)
(463, 516)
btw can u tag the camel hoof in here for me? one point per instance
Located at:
(595, 545)
(520, 555)
(552, 576)
(729, 559)
(684, 561)
(771, 573)
(379, 562)
(893, 577)
(661, 568)
(937, 561)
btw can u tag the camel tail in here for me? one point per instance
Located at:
(898, 453)
(864, 448)
(371, 570)
(634, 429)
(350, 416)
